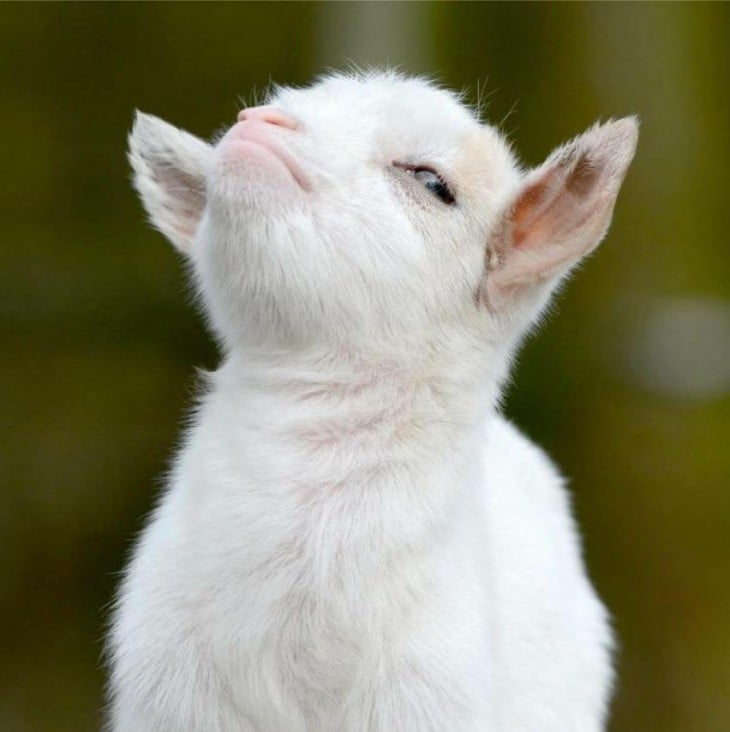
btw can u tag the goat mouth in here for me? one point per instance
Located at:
(257, 135)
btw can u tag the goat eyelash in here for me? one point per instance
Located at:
(442, 191)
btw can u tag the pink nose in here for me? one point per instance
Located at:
(268, 114)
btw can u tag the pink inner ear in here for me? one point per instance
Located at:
(557, 207)
(527, 210)
(187, 223)
(184, 200)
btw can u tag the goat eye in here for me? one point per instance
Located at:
(431, 180)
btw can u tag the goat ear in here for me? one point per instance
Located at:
(169, 174)
(560, 212)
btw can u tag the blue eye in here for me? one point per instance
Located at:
(431, 180)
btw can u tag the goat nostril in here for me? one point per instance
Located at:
(269, 115)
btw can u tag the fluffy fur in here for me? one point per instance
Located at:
(352, 538)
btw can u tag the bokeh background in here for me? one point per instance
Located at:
(627, 386)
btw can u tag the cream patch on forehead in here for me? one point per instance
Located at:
(483, 163)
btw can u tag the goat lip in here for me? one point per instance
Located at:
(263, 135)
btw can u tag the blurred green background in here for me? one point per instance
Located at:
(627, 386)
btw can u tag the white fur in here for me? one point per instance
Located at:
(352, 538)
